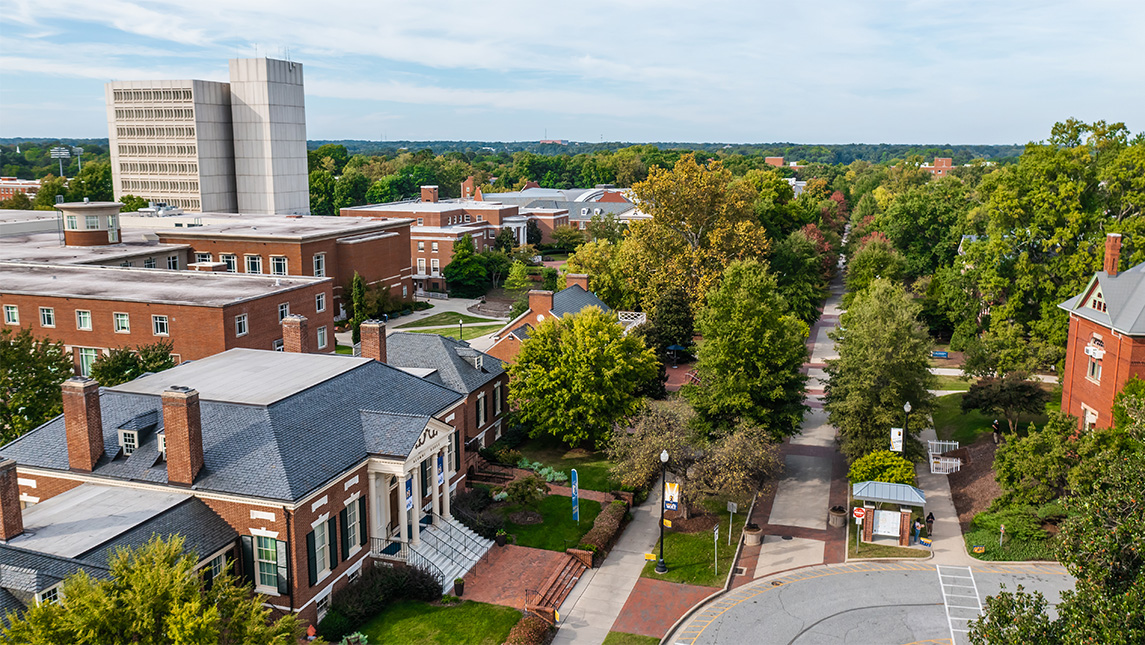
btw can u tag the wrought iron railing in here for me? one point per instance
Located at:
(393, 549)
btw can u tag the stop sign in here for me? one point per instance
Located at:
(859, 512)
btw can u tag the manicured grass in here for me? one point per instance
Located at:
(622, 638)
(951, 383)
(471, 331)
(445, 318)
(868, 550)
(558, 532)
(689, 556)
(965, 428)
(344, 349)
(408, 621)
(592, 470)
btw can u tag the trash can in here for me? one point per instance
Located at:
(752, 535)
(837, 516)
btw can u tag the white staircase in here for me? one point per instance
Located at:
(452, 548)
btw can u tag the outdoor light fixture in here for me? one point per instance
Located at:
(906, 418)
(660, 567)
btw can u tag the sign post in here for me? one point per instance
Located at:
(716, 548)
(732, 508)
(859, 512)
(896, 439)
(575, 497)
(1001, 532)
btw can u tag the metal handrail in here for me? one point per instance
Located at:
(461, 536)
(409, 556)
(420, 561)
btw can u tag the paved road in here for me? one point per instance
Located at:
(871, 603)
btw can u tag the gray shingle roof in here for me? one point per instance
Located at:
(1124, 296)
(204, 532)
(23, 570)
(575, 298)
(280, 451)
(391, 434)
(451, 358)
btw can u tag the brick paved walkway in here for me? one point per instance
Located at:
(507, 571)
(654, 605)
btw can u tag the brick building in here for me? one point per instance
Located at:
(317, 463)
(1106, 345)
(438, 224)
(9, 186)
(545, 304)
(333, 247)
(93, 309)
(941, 167)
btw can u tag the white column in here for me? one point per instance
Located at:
(435, 493)
(384, 504)
(373, 507)
(445, 492)
(417, 495)
(403, 516)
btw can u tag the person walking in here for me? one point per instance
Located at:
(997, 433)
(930, 525)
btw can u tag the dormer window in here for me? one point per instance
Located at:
(128, 440)
(1097, 301)
(51, 595)
(162, 444)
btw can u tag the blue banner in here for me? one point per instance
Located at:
(575, 497)
(440, 470)
(409, 493)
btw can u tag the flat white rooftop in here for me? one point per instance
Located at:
(247, 376)
(130, 284)
(431, 207)
(72, 523)
(47, 247)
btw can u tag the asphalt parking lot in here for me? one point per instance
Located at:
(892, 603)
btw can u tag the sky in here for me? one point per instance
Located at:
(753, 71)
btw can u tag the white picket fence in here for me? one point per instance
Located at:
(940, 465)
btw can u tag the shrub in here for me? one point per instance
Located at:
(605, 527)
(474, 500)
(882, 466)
(1020, 521)
(334, 626)
(530, 630)
(367, 596)
(527, 491)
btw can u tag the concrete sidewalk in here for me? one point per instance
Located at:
(590, 610)
(948, 547)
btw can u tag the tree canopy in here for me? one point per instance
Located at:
(31, 371)
(465, 274)
(124, 364)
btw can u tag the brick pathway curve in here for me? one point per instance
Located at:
(502, 577)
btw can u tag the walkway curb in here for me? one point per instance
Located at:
(727, 582)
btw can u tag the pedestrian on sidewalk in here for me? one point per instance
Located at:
(997, 433)
(930, 524)
(917, 530)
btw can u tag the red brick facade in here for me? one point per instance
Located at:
(1090, 397)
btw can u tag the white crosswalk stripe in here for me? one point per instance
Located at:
(960, 598)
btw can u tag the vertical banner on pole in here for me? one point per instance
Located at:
(440, 470)
(716, 548)
(896, 439)
(575, 497)
(732, 508)
(409, 493)
(672, 496)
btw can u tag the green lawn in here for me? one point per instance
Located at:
(622, 638)
(951, 383)
(408, 621)
(689, 556)
(592, 470)
(558, 531)
(965, 428)
(471, 331)
(867, 550)
(445, 318)
(344, 349)
(1011, 550)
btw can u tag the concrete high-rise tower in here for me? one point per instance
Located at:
(213, 147)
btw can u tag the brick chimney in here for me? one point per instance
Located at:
(429, 193)
(577, 278)
(373, 334)
(83, 423)
(1112, 253)
(540, 302)
(11, 517)
(182, 425)
(295, 334)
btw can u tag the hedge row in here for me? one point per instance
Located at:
(605, 528)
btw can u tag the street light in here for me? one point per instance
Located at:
(906, 419)
(660, 568)
(460, 329)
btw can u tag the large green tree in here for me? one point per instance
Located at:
(600, 260)
(124, 364)
(31, 371)
(322, 184)
(750, 357)
(924, 224)
(797, 266)
(465, 273)
(875, 258)
(577, 375)
(93, 182)
(154, 597)
(883, 364)
(1009, 396)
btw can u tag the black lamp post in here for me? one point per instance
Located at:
(906, 420)
(460, 329)
(660, 567)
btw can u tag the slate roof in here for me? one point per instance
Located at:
(9, 603)
(280, 451)
(890, 493)
(23, 570)
(450, 358)
(204, 532)
(1124, 296)
(391, 434)
(575, 208)
(575, 298)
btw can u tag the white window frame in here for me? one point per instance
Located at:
(421, 266)
(320, 302)
(128, 441)
(71, 223)
(253, 262)
(259, 561)
(434, 266)
(420, 221)
(482, 417)
(113, 235)
(278, 345)
(81, 316)
(353, 526)
(217, 565)
(320, 265)
(283, 311)
(149, 263)
(497, 399)
(241, 327)
(275, 261)
(11, 314)
(322, 549)
(421, 246)
(47, 316)
(87, 356)
(91, 222)
(173, 262)
(125, 328)
(156, 321)
(433, 247)
(231, 260)
(50, 595)
(202, 257)
(1093, 372)
(322, 337)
